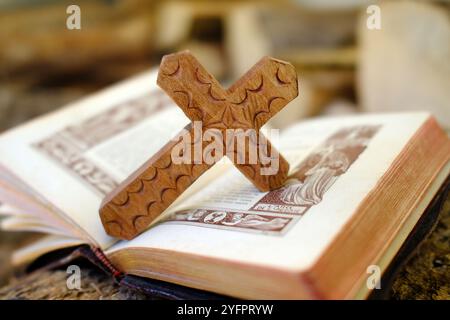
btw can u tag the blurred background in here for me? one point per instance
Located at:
(346, 62)
(351, 56)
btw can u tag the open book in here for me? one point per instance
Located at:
(357, 187)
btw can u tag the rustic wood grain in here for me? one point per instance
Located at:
(263, 91)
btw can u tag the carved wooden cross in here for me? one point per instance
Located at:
(263, 91)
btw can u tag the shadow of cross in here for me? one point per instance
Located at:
(263, 91)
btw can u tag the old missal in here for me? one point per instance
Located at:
(353, 181)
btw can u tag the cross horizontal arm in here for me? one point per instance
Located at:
(268, 170)
(193, 89)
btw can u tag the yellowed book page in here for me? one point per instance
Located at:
(72, 158)
(22, 223)
(9, 210)
(42, 246)
(335, 163)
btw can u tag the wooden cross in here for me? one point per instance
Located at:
(249, 103)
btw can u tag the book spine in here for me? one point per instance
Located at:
(117, 274)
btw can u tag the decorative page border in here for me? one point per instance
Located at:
(278, 210)
(68, 146)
